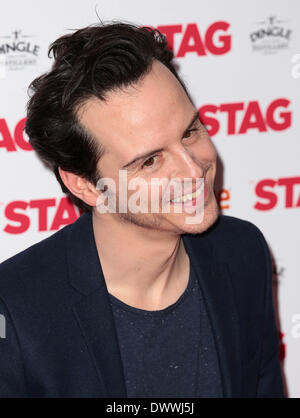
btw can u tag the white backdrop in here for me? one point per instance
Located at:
(241, 62)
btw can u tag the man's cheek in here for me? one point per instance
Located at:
(138, 198)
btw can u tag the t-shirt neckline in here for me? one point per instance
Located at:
(159, 312)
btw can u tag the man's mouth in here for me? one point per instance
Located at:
(189, 196)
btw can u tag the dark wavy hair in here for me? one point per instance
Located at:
(88, 63)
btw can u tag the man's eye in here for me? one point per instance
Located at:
(150, 161)
(189, 132)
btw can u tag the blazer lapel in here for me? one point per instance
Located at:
(95, 317)
(93, 311)
(96, 322)
(215, 282)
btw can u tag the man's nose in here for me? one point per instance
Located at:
(186, 165)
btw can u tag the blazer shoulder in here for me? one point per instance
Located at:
(231, 228)
(239, 239)
(37, 261)
(234, 223)
(34, 251)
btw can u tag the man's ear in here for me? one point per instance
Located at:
(79, 187)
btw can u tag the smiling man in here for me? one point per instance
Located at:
(126, 302)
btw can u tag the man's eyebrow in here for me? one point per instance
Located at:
(149, 153)
(141, 157)
(194, 119)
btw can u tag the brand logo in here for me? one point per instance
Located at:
(20, 212)
(250, 114)
(18, 50)
(271, 36)
(223, 198)
(214, 40)
(271, 190)
(11, 141)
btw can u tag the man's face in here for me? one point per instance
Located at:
(151, 130)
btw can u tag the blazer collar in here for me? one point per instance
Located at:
(215, 282)
(85, 272)
(93, 312)
(95, 317)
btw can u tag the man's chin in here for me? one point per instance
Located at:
(200, 224)
(178, 223)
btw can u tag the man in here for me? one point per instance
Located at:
(127, 303)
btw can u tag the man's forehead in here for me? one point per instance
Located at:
(139, 114)
(159, 87)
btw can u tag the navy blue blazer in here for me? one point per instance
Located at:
(61, 340)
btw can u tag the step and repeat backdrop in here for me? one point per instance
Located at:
(241, 63)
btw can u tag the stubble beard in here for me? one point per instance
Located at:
(154, 222)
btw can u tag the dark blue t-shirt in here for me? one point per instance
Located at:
(169, 352)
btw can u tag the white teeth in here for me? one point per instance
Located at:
(188, 196)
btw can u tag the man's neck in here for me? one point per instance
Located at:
(145, 268)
